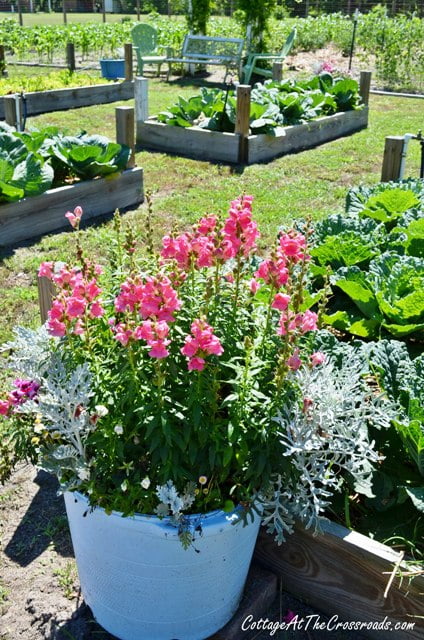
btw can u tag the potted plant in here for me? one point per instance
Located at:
(114, 67)
(172, 394)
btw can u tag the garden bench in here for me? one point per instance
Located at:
(210, 50)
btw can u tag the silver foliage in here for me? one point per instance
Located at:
(325, 437)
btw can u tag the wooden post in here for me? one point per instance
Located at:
(141, 101)
(10, 110)
(243, 120)
(128, 62)
(46, 293)
(3, 70)
(364, 86)
(125, 130)
(138, 9)
(392, 158)
(70, 56)
(21, 22)
(277, 71)
(104, 10)
(65, 19)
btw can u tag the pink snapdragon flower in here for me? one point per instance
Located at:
(294, 362)
(317, 358)
(155, 298)
(281, 301)
(292, 245)
(200, 343)
(24, 390)
(240, 232)
(4, 407)
(75, 217)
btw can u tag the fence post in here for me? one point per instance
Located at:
(70, 56)
(3, 70)
(128, 62)
(277, 71)
(141, 101)
(13, 110)
(392, 158)
(364, 86)
(125, 130)
(65, 19)
(46, 293)
(243, 120)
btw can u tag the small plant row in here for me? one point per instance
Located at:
(33, 162)
(374, 256)
(48, 81)
(273, 104)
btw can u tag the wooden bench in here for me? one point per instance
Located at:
(209, 50)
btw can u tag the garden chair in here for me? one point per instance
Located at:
(251, 64)
(144, 39)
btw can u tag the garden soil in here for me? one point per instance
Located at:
(40, 598)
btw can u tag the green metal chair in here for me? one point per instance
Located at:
(252, 59)
(144, 39)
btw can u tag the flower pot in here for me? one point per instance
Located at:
(142, 585)
(112, 69)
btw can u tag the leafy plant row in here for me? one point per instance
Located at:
(48, 81)
(272, 105)
(375, 258)
(31, 163)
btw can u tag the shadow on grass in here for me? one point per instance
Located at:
(44, 523)
(81, 626)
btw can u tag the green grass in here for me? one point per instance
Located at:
(31, 19)
(312, 182)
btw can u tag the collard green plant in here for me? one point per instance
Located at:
(34, 161)
(272, 105)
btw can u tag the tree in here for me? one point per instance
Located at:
(255, 16)
(198, 13)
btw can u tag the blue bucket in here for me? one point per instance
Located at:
(112, 69)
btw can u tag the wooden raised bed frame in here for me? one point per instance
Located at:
(240, 147)
(45, 213)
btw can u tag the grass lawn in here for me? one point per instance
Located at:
(313, 182)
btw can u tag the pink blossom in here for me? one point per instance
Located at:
(254, 285)
(158, 349)
(191, 347)
(75, 307)
(4, 407)
(28, 388)
(145, 331)
(96, 310)
(207, 224)
(308, 321)
(75, 217)
(317, 358)
(197, 364)
(273, 271)
(287, 323)
(293, 245)
(240, 232)
(294, 362)
(56, 328)
(79, 328)
(123, 334)
(281, 301)
(46, 270)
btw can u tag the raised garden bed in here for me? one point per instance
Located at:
(44, 213)
(347, 574)
(61, 99)
(240, 147)
(226, 147)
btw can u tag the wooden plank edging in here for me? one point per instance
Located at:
(344, 573)
(38, 102)
(224, 147)
(45, 213)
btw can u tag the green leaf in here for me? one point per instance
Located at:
(353, 282)
(33, 176)
(10, 193)
(412, 435)
(228, 454)
(417, 496)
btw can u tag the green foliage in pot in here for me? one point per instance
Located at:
(183, 382)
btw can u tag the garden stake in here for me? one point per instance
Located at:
(352, 44)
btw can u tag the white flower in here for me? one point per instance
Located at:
(119, 429)
(124, 485)
(83, 474)
(101, 410)
(145, 483)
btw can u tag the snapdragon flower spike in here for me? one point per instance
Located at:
(292, 246)
(300, 322)
(201, 343)
(240, 232)
(24, 390)
(154, 298)
(75, 217)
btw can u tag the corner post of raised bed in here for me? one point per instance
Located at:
(392, 159)
(141, 101)
(128, 55)
(3, 70)
(243, 121)
(70, 56)
(125, 130)
(364, 86)
(46, 293)
(277, 71)
(13, 110)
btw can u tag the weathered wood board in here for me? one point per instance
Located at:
(225, 147)
(305, 136)
(45, 213)
(61, 99)
(191, 142)
(344, 573)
